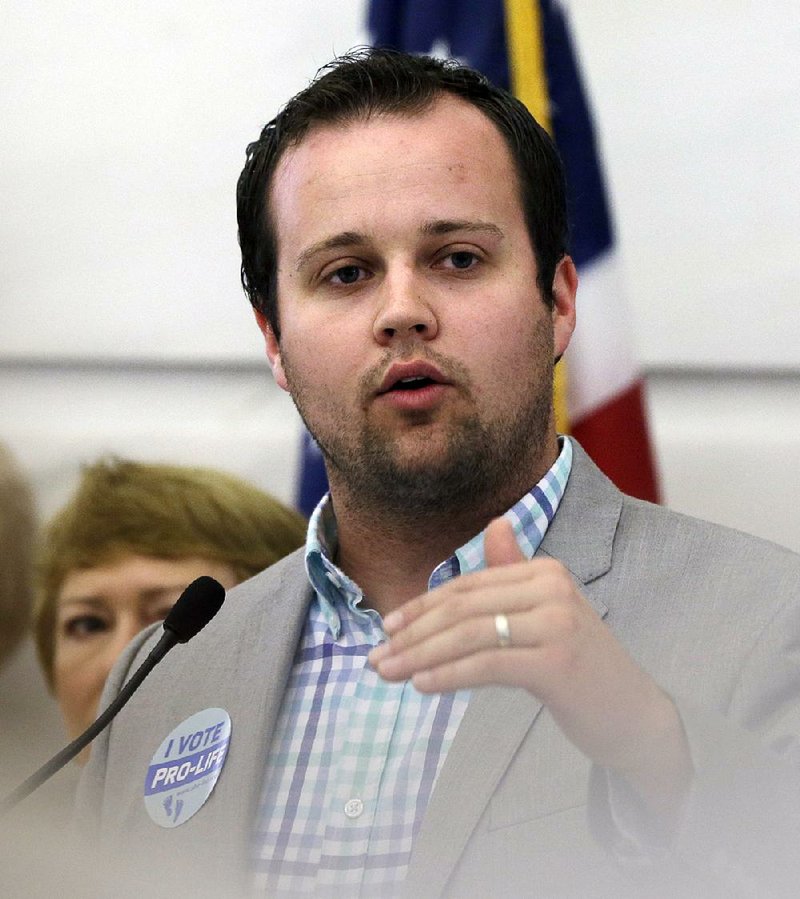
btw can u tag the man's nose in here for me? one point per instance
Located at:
(404, 310)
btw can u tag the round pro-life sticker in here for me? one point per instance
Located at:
(186, 766)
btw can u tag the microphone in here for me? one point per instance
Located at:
(195, 607)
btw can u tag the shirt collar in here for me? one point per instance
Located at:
(529, 517)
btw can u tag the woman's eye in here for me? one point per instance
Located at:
(347, 274)
(84, 626)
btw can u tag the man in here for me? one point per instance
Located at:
(563, 724)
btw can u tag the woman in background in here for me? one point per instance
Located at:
(124, 548)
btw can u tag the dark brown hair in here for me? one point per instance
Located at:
(371, 82)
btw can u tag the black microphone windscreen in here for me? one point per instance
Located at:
(195, 607)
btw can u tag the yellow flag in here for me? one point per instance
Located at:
(529, 84)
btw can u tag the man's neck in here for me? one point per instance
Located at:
(392, 564)
(391, 554)
(392, 559)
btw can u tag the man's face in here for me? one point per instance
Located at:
(414, 339)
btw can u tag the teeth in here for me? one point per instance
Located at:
(410, 382)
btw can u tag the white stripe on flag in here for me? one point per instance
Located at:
(601, 361)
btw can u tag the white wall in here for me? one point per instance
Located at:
(699, 110)
(122, 324)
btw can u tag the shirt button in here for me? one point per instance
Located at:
(353, 808)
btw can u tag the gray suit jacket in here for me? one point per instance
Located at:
(711, 613)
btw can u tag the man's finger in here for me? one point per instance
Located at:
(500, 544)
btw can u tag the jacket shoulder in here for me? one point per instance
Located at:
(663, 529)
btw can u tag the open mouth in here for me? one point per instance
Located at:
(413, 383)
(411, 377)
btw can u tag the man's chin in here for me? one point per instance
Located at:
(420, 456)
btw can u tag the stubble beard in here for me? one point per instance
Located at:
(478, 464)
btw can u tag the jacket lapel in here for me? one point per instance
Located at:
(493, 726)
(498, 718)
(581, 536)
(273, 638)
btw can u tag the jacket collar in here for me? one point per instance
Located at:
(581, 535)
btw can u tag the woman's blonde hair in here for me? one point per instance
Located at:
(124, 508)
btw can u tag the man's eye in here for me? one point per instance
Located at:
(347, 274)
(84, 626)
(462, 259)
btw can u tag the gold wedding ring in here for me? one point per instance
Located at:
(503, 633)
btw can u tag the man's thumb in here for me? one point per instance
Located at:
(500, 545)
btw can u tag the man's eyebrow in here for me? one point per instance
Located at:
(338, 241)
(447, 226)
(354, 238)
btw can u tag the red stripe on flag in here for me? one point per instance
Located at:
(616, 436)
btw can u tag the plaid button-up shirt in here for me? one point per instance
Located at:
(355, 759)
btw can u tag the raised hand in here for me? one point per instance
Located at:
(559, 649)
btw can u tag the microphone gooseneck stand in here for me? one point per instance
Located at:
(197, 605)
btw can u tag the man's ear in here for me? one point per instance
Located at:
(273, 348)
(565, 286)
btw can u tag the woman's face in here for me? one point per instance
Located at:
(99, 610)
